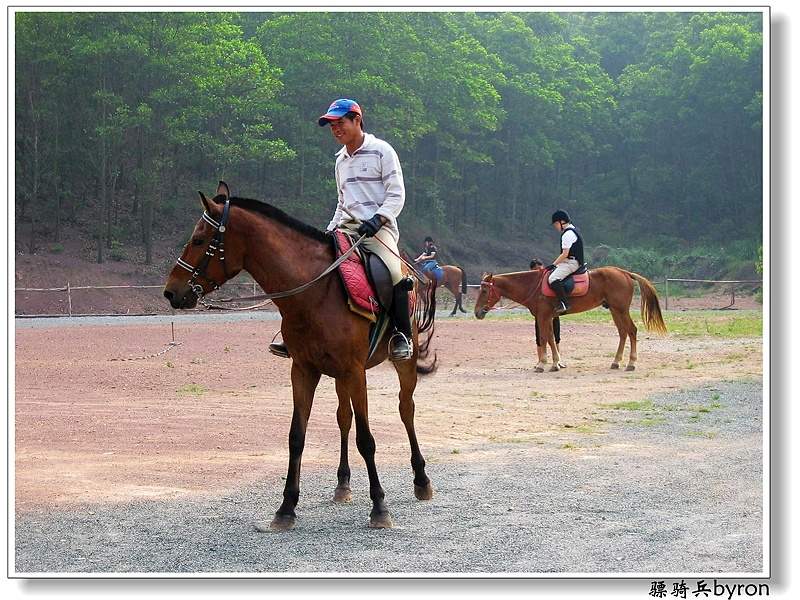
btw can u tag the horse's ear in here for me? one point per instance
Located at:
(204, 202)
(223, 190)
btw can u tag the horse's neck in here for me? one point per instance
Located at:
(518, 287)
(280, 258)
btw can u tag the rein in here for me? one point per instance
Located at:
(218, 243)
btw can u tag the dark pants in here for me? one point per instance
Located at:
(556, 331)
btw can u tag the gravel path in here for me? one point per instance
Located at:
(672, 487)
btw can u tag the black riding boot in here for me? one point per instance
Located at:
(401, 345)
(558, 287)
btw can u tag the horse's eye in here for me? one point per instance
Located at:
(197, 241)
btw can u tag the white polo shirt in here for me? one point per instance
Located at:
(369, 182)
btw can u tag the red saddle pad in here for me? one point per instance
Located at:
(581, 286)
(354, 276)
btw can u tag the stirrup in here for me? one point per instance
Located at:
(400, 355)
(562, 307)
(279, 350)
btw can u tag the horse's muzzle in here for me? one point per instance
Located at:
(481, 313)
(187, 299)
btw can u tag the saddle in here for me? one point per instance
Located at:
(576, 284)
(366, 279)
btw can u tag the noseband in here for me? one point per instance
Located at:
(216, 243)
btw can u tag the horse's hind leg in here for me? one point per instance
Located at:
(632, 331)
(356, 385)
(455, 303)
(619, 320)
(304, 383)
(460, 299)
(344, 416)
(407, 372)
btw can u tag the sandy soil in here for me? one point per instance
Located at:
(213, 413)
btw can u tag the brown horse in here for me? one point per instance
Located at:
(455, 280)
(610, 286)
(323, 336)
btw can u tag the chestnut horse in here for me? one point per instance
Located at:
(610, 286)
(455, 280)
(322, 334)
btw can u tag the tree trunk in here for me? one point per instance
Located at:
(103, 177)
(57, 180)
(35, 183)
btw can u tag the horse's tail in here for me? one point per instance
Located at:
(425, 315)
(463, 280)
(651, 309)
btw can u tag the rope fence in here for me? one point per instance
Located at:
(69, 289)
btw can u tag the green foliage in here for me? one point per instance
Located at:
(646, 126)
(117, 251)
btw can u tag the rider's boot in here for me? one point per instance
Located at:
(401, 344)
(558, 287)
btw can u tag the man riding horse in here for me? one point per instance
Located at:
(427, 259)
(369, 183)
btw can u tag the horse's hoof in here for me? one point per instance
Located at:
(279, 523)
(538, 370)
(423, 492)
(630, 368)
(380, 521)
(342, 495)
(615, 365)
(555, 368)
(562, 365)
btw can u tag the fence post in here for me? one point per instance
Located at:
(69, 300)
(666, 293)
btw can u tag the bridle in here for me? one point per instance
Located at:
(216, 243)
(494, 295)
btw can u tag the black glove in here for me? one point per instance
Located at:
(371, 226)
(550, 268)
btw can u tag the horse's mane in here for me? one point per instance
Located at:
(278, 215)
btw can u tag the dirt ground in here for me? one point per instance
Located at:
(213, 413)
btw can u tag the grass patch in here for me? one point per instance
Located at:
(651, 421)
(192, 389)
(568, 447)
(702, 434)
(646, 404)
(697, 323)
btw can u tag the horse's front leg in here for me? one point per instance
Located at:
(557, 366)
(344, 416)
(541, 346)
(547, 337)
(304, 384)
